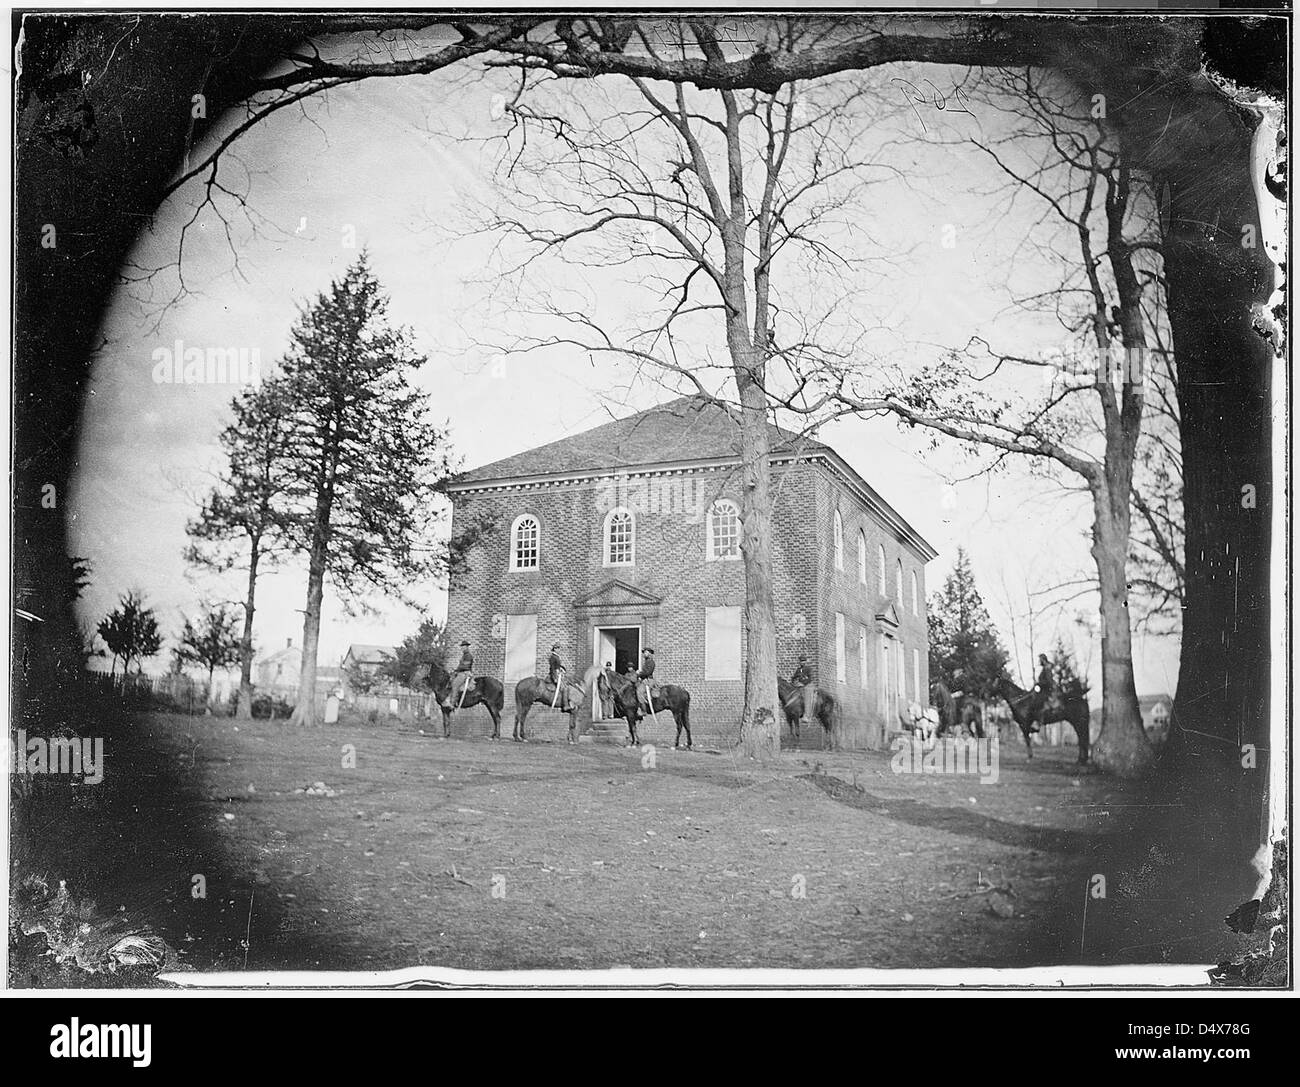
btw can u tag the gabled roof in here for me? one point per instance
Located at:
(689, 428)
(369, 654)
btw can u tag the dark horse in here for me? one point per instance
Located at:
(824, 708)
(484, 691)
(676, 700)
(536, 689)
(956, 710)
(1030, 710)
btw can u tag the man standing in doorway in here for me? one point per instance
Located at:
(605, 688)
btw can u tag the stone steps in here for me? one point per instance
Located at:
(606, 732)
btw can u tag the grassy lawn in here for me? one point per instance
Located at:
(473, 854)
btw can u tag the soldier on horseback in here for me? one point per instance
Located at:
(555, 672)
(1042, 689)
(461, 678)
(646, 686)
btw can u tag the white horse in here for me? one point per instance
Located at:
(922, 721)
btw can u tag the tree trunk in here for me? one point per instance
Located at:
(304, 713)
(1225, 372)
(244, 708)
(1122, 747)
(207, 709)
(760, 733)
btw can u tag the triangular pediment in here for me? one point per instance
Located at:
(888, 617)
(618, 594)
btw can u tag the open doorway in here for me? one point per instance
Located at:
(619, 645)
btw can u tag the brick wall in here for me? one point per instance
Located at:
(671, 538)
(862, 722)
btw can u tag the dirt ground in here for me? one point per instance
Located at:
(482, 855)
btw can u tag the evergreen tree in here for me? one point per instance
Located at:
(428, 644)
(965, 651)
(243, 518)
(1065, 673)
(365, 464)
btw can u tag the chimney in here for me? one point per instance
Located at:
(288, 643)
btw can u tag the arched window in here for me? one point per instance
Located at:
(525, 543)
(862, 558)
(880, 557)
(839, 541)
(916, 595)
(724, 530)
(620, 538)
(898, 582)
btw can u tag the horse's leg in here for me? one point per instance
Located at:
(446, 722)
(1025, 727)
(521, 712)
(496, 720)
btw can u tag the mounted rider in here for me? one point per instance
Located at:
(461, 678)
(1043, 689)
(804, 677)
(646, 687)
(562, 698)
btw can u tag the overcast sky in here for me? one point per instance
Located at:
(375, 161)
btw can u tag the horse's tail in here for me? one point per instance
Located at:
(589, 676)
(686, 709)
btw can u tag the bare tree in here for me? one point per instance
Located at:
(1108, 215)
(708, 200)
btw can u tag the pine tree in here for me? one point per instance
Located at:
(244, 516)
(365, 463)
(965, 651)
(1065, 672)
(427, 645)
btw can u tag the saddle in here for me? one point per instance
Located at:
(574, 695)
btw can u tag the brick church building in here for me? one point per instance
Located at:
(627, 536)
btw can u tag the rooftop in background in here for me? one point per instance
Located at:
(689, 430)
(370, 654)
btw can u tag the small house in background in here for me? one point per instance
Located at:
(366, 660)
(1157, 711)
(279, 669)
(278, 673)
(1156, 717)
